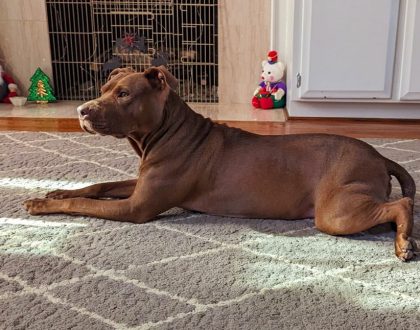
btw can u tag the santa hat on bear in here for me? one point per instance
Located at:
(272, 57)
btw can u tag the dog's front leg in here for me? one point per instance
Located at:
(129, 210)
(152, 195)
(118, 189)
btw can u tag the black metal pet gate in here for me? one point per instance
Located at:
(90, 38)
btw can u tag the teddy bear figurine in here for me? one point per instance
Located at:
(8, 88)
(271, 92)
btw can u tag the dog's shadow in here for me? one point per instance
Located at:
(285, 228)
(382, 232)
(293, 228)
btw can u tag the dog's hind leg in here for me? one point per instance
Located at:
(349, 212)
(118, 189)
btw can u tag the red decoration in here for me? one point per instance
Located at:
(272, 56)
(129, 40)
(8, 88)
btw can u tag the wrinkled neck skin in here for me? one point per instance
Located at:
(179, 128)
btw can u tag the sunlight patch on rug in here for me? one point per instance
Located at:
(37, 223)
(34, 237)
(32, 240)
(33, 184)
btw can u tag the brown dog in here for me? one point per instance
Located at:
(191, 162)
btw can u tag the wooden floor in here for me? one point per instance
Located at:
(405, 129)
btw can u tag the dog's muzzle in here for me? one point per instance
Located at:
(85, 113)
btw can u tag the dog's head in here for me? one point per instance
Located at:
(130, 102)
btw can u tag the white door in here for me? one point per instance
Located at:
(348, 48)
(410, 66)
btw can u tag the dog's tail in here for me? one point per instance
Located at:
(408, 186)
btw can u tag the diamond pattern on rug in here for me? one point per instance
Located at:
(185, 270)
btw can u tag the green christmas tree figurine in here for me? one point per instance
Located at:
(40, 90)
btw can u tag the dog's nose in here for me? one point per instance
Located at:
(84, 110)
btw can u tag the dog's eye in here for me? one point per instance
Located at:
(123, 94)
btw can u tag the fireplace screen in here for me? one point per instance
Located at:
(90, 38)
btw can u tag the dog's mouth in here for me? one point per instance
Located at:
(97, 128)
(86, 126)
(94, 127)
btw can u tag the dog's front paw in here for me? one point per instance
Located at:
(36, 206)
(60, 194)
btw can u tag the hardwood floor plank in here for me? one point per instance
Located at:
(404, 129)
(39, 124)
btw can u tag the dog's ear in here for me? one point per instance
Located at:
(156, 78)
(159, 77)
(170, 78)
(121, 71)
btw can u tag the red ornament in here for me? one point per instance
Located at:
(129, 40)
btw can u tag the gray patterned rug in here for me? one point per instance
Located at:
(184, 270)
